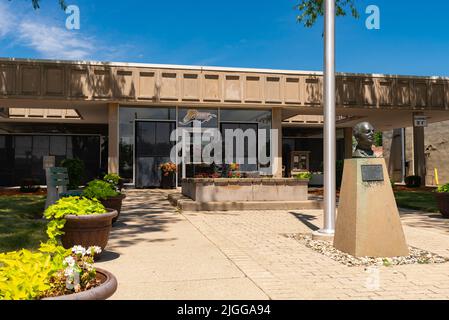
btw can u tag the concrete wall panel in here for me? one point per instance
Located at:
(7, 79)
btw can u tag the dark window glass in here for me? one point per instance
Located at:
(246, 166)
(58, 145)
(153, 148)
(127, 116)
(41, 148)
(23, 158)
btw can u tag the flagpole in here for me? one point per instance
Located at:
(329, 121)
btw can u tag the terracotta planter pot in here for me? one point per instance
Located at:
(114, 203)
(105, 290)
(89, 230)
(443, 203)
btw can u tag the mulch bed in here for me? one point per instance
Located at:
(16, 192)
(420, 189)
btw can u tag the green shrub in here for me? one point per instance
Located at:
(26, 275)
(413, 181)
(99, 189)
(69, 206)
(444, 188)
(303, 176)
(113, 179)
(378, 139)
(29, 185)
(53, 270)
(75, 170)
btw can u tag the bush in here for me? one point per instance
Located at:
(378, 139)
(303, 176)
(29, 186)
(114, 180)
(444, 188)
(99, 189)
(75, 170)
(26, 275)
(413, 181)
(52, 271)
(69, 206)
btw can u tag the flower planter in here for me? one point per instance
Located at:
(443, 203)
(168, 181)
(114, 203)
(245, 189)
(88, 230)
(102, 292)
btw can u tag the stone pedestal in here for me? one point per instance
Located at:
(368, 222)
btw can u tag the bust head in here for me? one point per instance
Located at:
(364, 134)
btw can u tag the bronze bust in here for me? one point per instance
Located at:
(364, 134)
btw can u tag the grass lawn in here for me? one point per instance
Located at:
(417, 200)
(19, 227)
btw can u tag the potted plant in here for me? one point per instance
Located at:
(79, 221)
(306, 175)
(168, 175)
(442, 196)
(54, 273)
(115, 180)
(232, 170)
(106, 194)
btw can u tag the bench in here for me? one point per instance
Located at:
(57, 182)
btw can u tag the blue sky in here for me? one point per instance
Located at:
(413, 38)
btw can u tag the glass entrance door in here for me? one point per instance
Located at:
(153, 148)
(248, 167)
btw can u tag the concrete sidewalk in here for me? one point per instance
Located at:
(156, 253)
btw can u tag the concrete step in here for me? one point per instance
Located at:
(187, 204)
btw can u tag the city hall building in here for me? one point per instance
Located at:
(118, 117)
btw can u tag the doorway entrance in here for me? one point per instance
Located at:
(153, 148)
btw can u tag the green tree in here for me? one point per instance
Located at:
(36, 4)
(310, 10)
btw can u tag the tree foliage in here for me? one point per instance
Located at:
(36, 4)
(310, 10)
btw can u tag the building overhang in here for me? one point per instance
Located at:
(159, 84)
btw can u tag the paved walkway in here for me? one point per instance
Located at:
(159, 253)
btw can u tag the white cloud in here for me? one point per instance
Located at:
(6, 20)
(54, 42)
(48, 37)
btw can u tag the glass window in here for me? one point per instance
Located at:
(262, 117)
(41, 148)
(208, 117)
(127, 115)
(58, 145)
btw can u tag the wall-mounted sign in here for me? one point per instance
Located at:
(420, 121)
(194, 114)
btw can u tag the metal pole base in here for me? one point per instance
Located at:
(323, 235)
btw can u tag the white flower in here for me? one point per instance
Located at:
(69, 272)
(88, 266)
(94, 249)
(73, 278)
(69, 261)
(79, 250)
